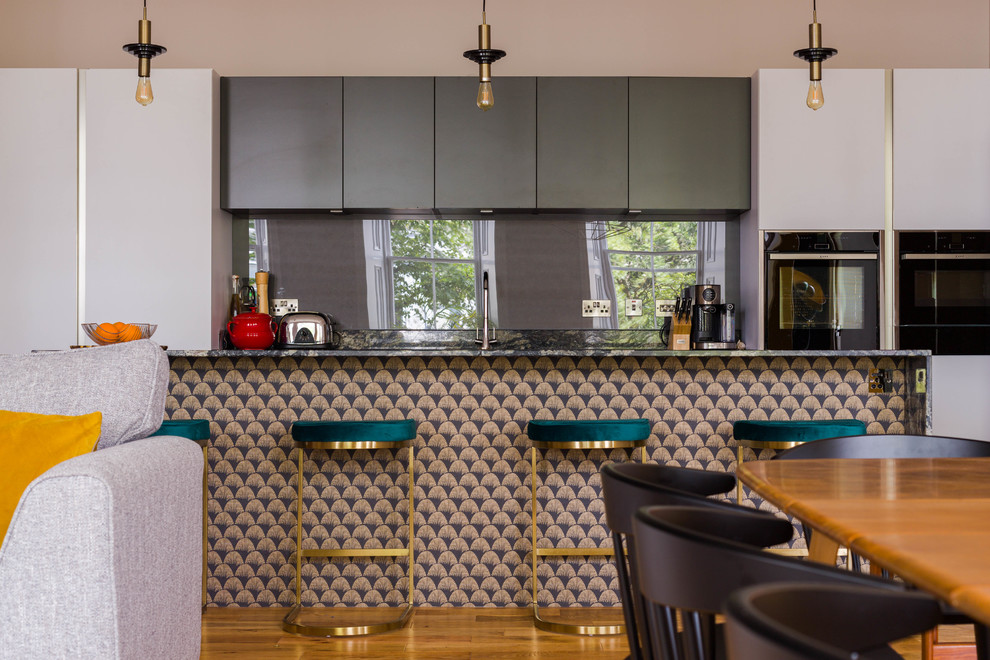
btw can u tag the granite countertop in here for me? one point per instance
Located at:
(513, 343)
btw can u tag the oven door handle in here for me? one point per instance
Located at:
(941, 257)
(830, 256)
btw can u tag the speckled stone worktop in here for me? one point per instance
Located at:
(515, 343)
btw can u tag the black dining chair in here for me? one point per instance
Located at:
(692, 558)
(628, 486)
(814, 621)
(888, 446)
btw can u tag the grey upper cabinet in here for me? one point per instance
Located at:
(486, 159)
(582, 143)
(689, 143)
(388, 143)
(281, 143)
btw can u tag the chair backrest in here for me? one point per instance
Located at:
(808, 621)
(126, 382)
(691, 558)
(625, 488)
(888, 446)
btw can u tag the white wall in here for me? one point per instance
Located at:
(542, 37)
(153, 227)
(960, 389)
(38, 224)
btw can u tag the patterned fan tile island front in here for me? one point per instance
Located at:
(473, 534)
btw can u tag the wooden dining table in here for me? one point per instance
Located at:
(925, 520)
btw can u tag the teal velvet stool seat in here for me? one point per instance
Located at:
(388, 434)
(197, 430)
(784, 434)
(578, 434)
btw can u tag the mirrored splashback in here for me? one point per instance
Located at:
(418, 272)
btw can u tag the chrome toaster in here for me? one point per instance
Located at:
(306, 330)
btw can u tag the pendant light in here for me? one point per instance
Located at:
(484, 56)
(815, 55)
(144, 50)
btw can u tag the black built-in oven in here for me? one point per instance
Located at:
(944, 291)
(822, 290)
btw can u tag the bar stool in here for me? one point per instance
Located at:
(390, 434)
(197, 430)
(784, 434)
(578, 434)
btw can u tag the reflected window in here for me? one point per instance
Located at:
(648, 261)
(424, 274)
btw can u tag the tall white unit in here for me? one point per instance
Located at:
(813, 170)
(941, 149)
(38, 144)
(157, 247)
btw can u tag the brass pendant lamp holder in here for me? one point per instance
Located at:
(815, 54)
(483, 56)
(144, 50)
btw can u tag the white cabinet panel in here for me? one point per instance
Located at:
(941, 149)
(157, 247)
(38, 144)
(958, 387)
(824, 169)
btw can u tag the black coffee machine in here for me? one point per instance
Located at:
(713, 323)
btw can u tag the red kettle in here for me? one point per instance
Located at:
(252, 331)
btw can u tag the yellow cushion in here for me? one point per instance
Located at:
(30, 444)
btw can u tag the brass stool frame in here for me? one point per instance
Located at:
(538, 621)
(289, 623)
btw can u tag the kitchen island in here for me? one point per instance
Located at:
(472, 491)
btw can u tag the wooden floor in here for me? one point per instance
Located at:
(435, 633)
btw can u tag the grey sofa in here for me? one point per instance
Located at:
(103, 556)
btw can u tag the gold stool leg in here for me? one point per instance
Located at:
(206, 514)
(739, 462)
(554, 626)
(290, 623)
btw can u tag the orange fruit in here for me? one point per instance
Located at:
(130, 333)
(107, 333)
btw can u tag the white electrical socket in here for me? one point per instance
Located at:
(282, 306)
(634, 307)
(592, 308)
(665, 307)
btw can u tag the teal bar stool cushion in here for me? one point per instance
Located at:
(380, 431)
(795, 431)
(588, 430)
(194, 429)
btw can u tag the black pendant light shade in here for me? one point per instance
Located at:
(144, 50)
(483, 56)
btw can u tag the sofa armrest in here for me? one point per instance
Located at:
(103, 556)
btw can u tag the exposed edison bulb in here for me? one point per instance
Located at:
(486, 97)
(143, 94)
(816, 98)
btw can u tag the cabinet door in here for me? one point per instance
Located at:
(281, 143)
(820, 169)
(486, 159)
(388, 143)
(941, 149)
(689, 143)
(582, 131)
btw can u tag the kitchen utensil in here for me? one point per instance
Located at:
(252, 331)
(261, 281)
(306, 330)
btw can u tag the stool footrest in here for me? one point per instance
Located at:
(357, 552)
(588, 444)
(290, 625)
(575, 552)
(589, 630)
